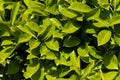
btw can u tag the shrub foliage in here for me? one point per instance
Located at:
(59, 39)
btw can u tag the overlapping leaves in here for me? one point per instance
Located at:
(59, 39)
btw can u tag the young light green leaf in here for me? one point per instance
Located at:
(101, 23)
(52, 9)
(25, 29)
(31, 69)
(117, 38)
(58, 34)
(33, 26)
(104, 3)
(110, 60)
(93, 52)
(115, 3)
(70, 27)
(33, 44)
(56, 23)
(115, 20)
(80, 7)
(53, 44)
(95, 13)
(75, 61)
(44, 51)
(5, 53)
(23, 38)
(111, 74)
(15, 12)
(88, 69)
(66, 12)
(49, 77)
(83, 50)
(71, 41)
(6, 42)
(103, 37)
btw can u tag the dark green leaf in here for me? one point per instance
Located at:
(71, 41)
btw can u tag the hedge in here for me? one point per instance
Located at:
(59, 39)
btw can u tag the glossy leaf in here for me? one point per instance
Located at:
(52, 9)
(66, 12)
(15, 12)
(93, 52)
(31, 70)
(80, 7)
(83, 50)
(5, 53)
(56, 23)
(87, 70)
(33, 26)
(52, 44)
(115, 20)
(111, 74)
(48, 54)
(103, 37)
(23, 38)
(104, 3)
(33, 44)
(70, 27)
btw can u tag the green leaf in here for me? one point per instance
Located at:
(110, 60)
(15, 12)
(52, 9)
(101, 23)
(56, 23)
(66, 12)
(83, 50)
(25, 29)
(71, 41)
(49, 77)
(58, 34)
(115, 3)
(111, 74)
(33, 44)
(48, 54)
(93, 52)
(103, 37)
(52, 44)
(5, 53)
(94, 14)
(39, 75)
(80, 7)
(31, 69)
(64, 71)
(33, 26)
(6, 42)
(104, 3)
(23, 38)
(70, 27)
(117, 38)
(87, 70)
(64, 58)
(75, 61)
(115, 20)
(13, 67)
(4, 30)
